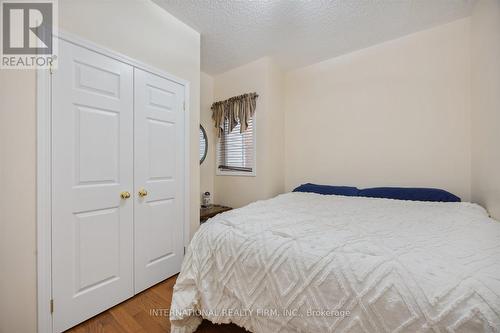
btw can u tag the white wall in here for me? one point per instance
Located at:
(17, 202)
(137, 28)
(207, 168)
(395, 114)
(485, 31)
(263, 77)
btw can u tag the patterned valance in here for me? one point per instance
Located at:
(235, 110)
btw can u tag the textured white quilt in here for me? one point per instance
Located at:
(305, 262)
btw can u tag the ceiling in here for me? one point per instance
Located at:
(301, 32)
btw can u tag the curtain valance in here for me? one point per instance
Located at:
(236, 110)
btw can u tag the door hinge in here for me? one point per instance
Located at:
(184, 250)
(184, 105)
(50, 68)
(51, 306)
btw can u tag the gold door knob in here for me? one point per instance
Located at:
(125, 195)
(143, 192)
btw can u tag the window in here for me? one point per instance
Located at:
(236, 151)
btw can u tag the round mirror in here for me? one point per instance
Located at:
(203, 144)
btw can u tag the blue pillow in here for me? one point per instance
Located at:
(415, 194)
(327, 189)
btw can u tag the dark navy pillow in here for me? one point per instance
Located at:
(415, 194)
(327, 189)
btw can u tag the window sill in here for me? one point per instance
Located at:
(235, 173)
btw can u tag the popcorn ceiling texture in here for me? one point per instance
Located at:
(299, 33)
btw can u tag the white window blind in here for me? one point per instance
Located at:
(236, 151)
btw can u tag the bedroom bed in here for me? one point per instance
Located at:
(305, 262)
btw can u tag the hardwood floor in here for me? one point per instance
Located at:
(133, 315)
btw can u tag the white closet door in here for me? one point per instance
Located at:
(92, 248)
(159, 176)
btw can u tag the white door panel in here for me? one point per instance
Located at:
(92, 163)
(159, 169)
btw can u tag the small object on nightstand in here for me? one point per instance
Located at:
(205, 200)
(211, 211)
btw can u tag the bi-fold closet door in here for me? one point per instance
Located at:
(117, 182)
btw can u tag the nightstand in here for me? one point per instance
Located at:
(211, 211)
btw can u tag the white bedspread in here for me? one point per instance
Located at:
(304, 262)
